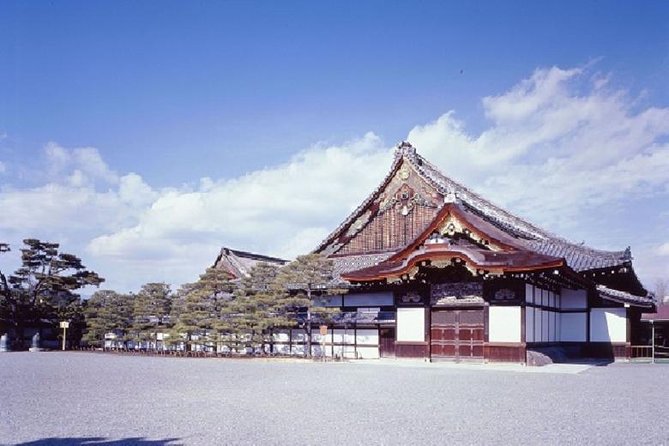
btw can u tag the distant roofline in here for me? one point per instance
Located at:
(251, 255)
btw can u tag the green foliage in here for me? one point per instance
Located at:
(150, 311)
(304, 279)
(215, 310)
(197, 308)
(261, 305)
(5, 297)
(106, 312)
(43, 289)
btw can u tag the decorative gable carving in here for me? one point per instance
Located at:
(452, 227)
(400, 212)
(457, 293)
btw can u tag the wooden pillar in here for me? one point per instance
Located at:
(355, 339)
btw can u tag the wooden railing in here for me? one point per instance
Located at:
(641, 351)
(646, 352)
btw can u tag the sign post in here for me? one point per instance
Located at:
(324, 333)
(64, 325)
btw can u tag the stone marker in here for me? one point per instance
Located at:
(4, 343)
(35, 346)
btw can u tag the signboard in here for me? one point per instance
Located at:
(324, 330)
(64, 324)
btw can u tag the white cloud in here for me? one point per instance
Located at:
(85, 165)
(663, 250)
(133, 233)
(284, 210)
(558, 144)
(559, 147)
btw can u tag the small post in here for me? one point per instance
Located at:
(323, 333)
(64, 325)
(652, 341)
(4, 343)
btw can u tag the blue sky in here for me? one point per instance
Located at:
(130, 120)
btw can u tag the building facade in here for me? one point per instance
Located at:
(436, 271)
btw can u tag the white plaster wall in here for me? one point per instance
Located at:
(317, 350)
(554, 320)
(299, 335)
(537, 324)
(368, 352)
(608, 325)
(299, 349)
(411, 324)
(572, 327)
(339, 335)
(529, 293)
(368, 336)
(282, 349)
(545, 325)
(504, 324)
(529, 324)
(558, 326)
(368, 299)
(280, 336)
(574, 298)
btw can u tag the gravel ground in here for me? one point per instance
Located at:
(88, 398)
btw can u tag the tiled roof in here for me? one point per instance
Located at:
(347, 264)
(483, 258)
(579, 257)
(238, 263)
(662, 314)
(624, 297)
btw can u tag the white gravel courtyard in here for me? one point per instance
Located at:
(88, 398)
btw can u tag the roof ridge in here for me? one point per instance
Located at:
(452, 190)
(465, 192)
(534, 230)
(250, 255)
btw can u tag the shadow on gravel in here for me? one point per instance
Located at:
(93, 441)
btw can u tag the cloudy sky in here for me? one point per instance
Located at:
(145, 136)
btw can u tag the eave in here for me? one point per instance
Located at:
(478, 261)
(624, 297)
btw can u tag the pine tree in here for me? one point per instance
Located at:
(305, 278)
(44, 288)
(264, 306)
(105, 312)
(150, 311)
(6, 303)
(197, 309)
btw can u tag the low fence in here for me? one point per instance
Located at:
(648, 353)
(352, 343)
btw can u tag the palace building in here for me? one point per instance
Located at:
(436, 271)
(451, 276)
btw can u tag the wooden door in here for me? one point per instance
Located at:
(457, 334)
(387, 342)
